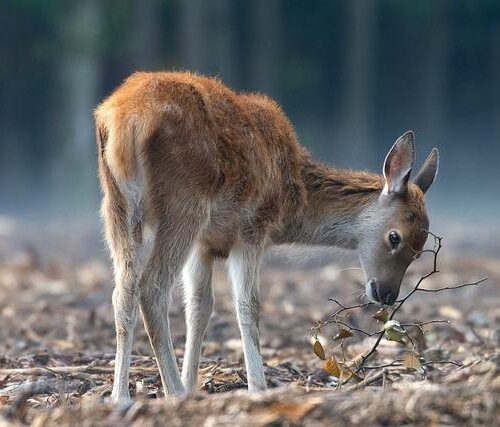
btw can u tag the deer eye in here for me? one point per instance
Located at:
(394, 238)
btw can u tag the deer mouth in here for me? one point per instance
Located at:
(380, 294)
(372, 290)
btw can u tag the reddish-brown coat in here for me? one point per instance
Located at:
(215, 173)
(239, 151)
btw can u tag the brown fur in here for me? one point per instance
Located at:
(194, 130)
(221, 145)
(216, 173)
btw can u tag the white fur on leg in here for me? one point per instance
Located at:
(199, 300)
(174, 241)
(155, 300)
(125, 303)
(244, 261)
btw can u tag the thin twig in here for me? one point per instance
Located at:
(352, 328)
(446, 288)
(345, 308)
(444, 362)
(428, 322)
(399, 363)
(367, 381)
(380, 334)
(96, 370)
(438, 241)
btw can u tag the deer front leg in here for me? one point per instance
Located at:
(244, 262)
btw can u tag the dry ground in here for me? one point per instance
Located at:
(57, 343)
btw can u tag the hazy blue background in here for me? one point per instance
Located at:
(352, 76)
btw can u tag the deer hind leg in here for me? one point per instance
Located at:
(244, 261)
(124, 236)
(199, 300)
(175, 236)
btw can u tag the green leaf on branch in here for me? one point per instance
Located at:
(394, 331)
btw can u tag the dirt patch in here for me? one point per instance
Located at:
(57, 349)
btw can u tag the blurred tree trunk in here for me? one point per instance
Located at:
(223, 41)
(355, 130)
(436, 57)
(22, 119)
(145, 34)
(495, 54)
(266, 43)
(208, 38)
(79, 71)
(193, 35)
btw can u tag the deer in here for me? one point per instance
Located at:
(192, 171)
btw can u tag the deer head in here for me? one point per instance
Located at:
(394, 228)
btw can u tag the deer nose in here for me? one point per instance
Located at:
(381, 294)
(387, 297)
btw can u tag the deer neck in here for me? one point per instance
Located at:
(341, 204)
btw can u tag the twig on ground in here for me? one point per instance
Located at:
(367, 381)
(74, 370)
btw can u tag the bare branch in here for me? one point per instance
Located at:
(352, 328)
(438, 245)
(70, 370)
(399, 363)
(345, 308)
(446, 288)
(380, 333)
(428, 322)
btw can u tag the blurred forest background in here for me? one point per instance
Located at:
(351, 75)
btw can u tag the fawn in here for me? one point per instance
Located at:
(191, 171)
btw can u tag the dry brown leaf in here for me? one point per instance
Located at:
(349, 369)
(357, 361)
(412, 361)
(332, 367)
(346, 373)
(381, 315)
(343, 333)
(319, 350)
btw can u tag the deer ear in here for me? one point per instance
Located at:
(398, 164)
(428, 172)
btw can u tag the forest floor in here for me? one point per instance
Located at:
(57, 344)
